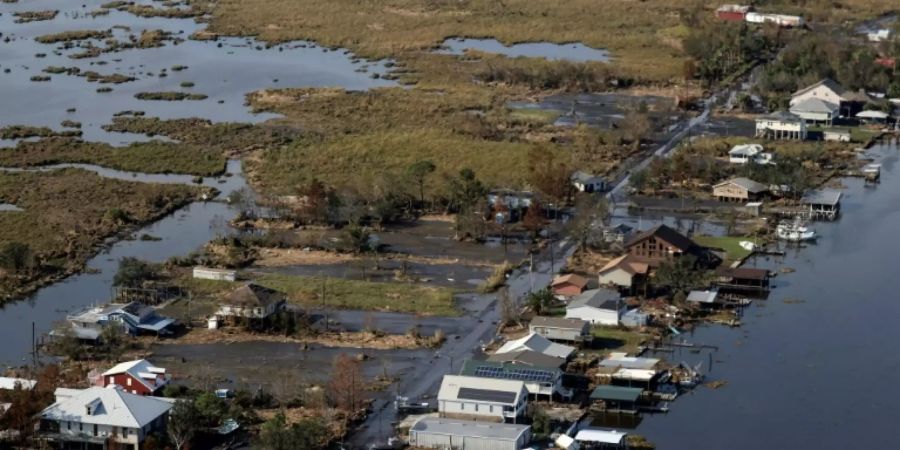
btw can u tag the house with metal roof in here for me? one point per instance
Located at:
(739, 189)
(528, 358)
(537, 343)
(586, 182)
(133, 318)
(815, 111)
(138, 377)
(443, 433)
(623, 370)
(95, 417)
(617, 398)
(597, 306)
(561, 329)
(744, 153)
(823, 204)
(781, 125)
(830, 91)
(251, 301)
(538, 380)
(476, 398)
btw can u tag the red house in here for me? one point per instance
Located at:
(568, 285)
(735, 13)
(137, 377)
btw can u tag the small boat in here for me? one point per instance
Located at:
(795, 232)
(747, 245)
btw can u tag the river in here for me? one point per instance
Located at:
(811, 366)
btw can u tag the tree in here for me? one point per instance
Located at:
(211, 409)
(680, 274)
(184, 422)
(533, 221)
(307, 434)
(465, 191)
(357, 238)
(591, 212)
(419, 171)
(347, 383)
(112, 341)
(548, 174)
(540, 300)
(133, 272)
(635, 127)
(16, 257)
(509, 311)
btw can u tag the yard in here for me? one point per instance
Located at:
(613, 339)
(363, 295)
(731, 245)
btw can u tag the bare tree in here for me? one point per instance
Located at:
(509, 312)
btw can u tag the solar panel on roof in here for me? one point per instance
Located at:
(540, 376)
(486, 395)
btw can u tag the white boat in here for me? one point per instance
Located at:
(794, 232)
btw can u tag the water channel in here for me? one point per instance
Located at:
(575, 52)
(811, 365)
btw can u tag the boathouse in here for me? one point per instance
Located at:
(823, 204)
(703, 298)
(742, 279)
(617, 399)
(595, 438)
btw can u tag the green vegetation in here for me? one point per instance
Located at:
(613, 339)
(353, 294)
(170, 96)
(77, 35)
(730, 244)
(152, 157)
(34, 16)
(540, 116)
(24, 131)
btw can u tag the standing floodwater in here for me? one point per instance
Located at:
(224, 70)
(812, 366)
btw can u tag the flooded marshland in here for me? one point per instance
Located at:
(223, 70)
(575, 52)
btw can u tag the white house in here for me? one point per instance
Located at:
(441, 433)
(251, 301)
(816, 110)
(585, 182)
(745, 153)
(830, 92)
(94, 417)
(537, 343)
(477, 398)
(781, 125)
(597, 306)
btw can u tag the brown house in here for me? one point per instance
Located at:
(568, 285)
(739, 190)
(662, 243)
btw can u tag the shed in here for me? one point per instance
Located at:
(560, 329)
(568, 285)
(837, 135)
(208, 273)
(735, 13)
(442, 433)
(703, 297)
(739, 189)
(600, 438)
(825, 203)
(742, 278)
(617, 397)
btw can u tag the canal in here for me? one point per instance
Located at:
(811, 366)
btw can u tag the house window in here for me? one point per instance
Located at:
(95, 429)
(68, 425)
(128, 382)
(110, 380)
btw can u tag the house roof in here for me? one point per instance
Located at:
(822, 197)
(814, 105)
(745, 150)
(781, 116)
(584, 177)
(252, 294)
(746, 184)
(571, 278)
(827, 82)
(707, 297)
(558, 322)
(665, 233)
(528, 358)
(10, 383)
(491, 390)
(617, 393)
(537, 343)
(744, 273)
(628, 263)
(509, 371)
(139, 369)
(622, 360)
(872, 115)
(601, 436)
(113, 407)
(469, 428)
(597, 298)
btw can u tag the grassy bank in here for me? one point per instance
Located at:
(66, 214)
(353, 294)
(730, 244)
(151, 157)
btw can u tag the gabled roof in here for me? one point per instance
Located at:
(814, 105)
(537, 343)
(509, 371)
(827, 82)
(253, 295)
(664, 232)
(491, 390)
(747, 184)
(628, 263)
(110, 406)
(823, 197)
(139, 369)
(571, 278)
(707, 297)
(623, 361)
(781, 116)
(745, 150)
(601, 436)
(601, 298)
(558, 322)
(528, 358)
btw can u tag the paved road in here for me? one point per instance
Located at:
(426, 378)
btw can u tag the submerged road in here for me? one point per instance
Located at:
(425, 379)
